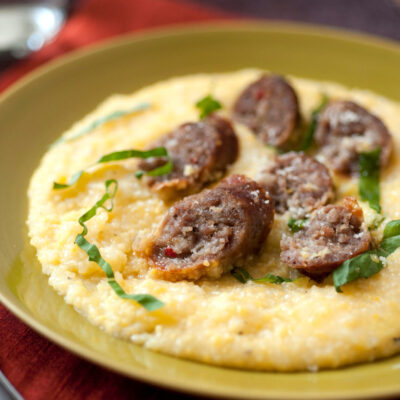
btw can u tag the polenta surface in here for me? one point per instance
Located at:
(293, 326)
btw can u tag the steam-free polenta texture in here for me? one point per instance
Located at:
(293, 326)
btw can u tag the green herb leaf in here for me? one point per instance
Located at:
(123, 155)
(146, 300)
(139, 174)
(296, 225)
(271, 278)
(361, 266)
(378, 219)
(389, 245)
(243, 276)
(207, 105)
(368, 185)
(391, 238)
(368, 263)
(101, 121)
(309, 135)
(75, 177)
(392, 228)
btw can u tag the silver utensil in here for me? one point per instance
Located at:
(26, 26)
(7, 390)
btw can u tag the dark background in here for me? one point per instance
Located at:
(379, 17)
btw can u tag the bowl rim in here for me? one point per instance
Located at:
(243, 25)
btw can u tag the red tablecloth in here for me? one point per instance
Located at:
(36, 367)
(96, 20)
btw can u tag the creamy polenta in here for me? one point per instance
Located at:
(293, 326)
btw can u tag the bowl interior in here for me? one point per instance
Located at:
(37, 110)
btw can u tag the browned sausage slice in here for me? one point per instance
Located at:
(200, 153)
(346, 129)
(269, 107)
(334, 234)
(297, 183)
(204, 234)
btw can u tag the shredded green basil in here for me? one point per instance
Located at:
(368, 185)
(296, 225)
(391, 238)
(271, 278)
(361, 266)
(378, 219)
(146, 300)
(123, 155)
(207, 105)
(103, 120)
(370, 262)
(309, 134)
(243, 276)
(139, 174)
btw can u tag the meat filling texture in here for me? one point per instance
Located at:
(204, 234)
(345, 130)
(297, 183)
(200, 153)
(334, 234)
(269, 107)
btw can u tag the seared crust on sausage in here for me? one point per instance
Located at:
(203, 235)
(297, 183)
(346, 129)
(269, 107)
(200, 152)
(334, 234)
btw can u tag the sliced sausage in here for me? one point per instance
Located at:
(269, 107)
(297, 183)
(200, 153)
(334, 234)
(204, 234)
(346, 129)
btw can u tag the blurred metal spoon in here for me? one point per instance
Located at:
(8, 391)
(26, 26)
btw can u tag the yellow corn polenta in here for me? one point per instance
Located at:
(293, 326)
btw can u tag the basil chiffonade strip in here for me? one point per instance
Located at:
(296, 225)
(207, 105)
(103, 120)
(309, 135)
(243, 276)
(369, 263)
(123, 155)
(368, 184)
(146, 300)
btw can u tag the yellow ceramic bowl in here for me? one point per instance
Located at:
(39, 108)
